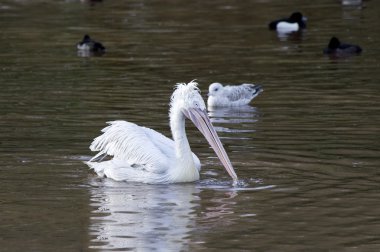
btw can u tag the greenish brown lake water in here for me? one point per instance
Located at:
(307, 148)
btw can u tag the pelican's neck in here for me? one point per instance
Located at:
(185, 169)
(177, 126)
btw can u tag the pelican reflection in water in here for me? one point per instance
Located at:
(166, 217)
(143, 155)
(142, 217)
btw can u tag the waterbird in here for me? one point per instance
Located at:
(351, 2)
(294, 23)
(90, 45)
(232, 96)
(337, 48)
(140, 154)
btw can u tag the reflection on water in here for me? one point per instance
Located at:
(87, 53)
(142, 217)
(219, 211)
(291, 36)
(234, 119)
(311, 141)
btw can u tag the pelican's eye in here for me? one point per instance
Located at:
(216, 89)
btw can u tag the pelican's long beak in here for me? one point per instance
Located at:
(200, 119)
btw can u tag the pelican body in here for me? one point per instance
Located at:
(141, 154)
(232, 96)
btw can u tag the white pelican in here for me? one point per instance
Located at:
(232, 96)
(143, 155)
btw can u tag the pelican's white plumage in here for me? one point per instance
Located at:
(143, 155)
(231, 96)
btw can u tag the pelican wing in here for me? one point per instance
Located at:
(241, 92)
(135, 145)
(167, 145)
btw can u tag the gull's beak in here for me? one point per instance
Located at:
(200, 119)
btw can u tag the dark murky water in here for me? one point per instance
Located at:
(307, 149)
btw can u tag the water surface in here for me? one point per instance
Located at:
(306, 150)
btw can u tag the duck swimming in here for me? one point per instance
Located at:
(337, 48)
(294, 23)
(90, 45)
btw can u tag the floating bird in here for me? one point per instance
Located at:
(294, 23)
(336, 48)
(143, 155)
(351, 2)
(91, 2)
(89, 45)
(231, 96)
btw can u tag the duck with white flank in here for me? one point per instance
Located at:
(89, 45)
(294, 23)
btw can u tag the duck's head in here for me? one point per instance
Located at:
(296, 16)
(334, 43)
